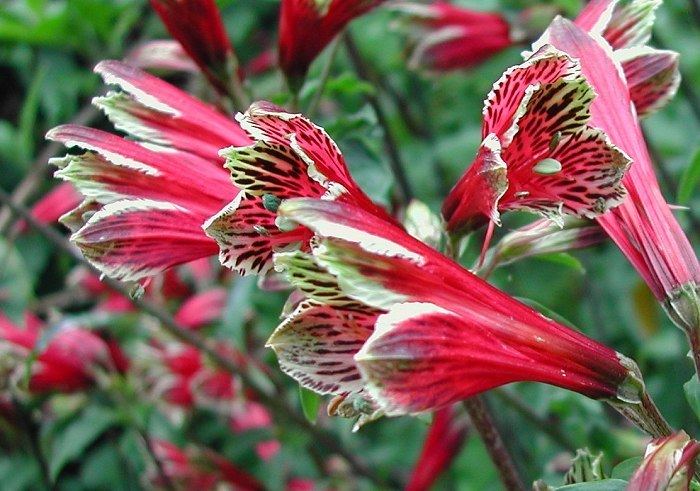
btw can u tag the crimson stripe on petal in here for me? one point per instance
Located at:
(652, 77)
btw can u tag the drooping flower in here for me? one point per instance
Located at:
(307, 26)
(539, 152)
(442, 445)
(668, 464)
(448, 36)
(290, 157)
(446, 334)
(68, 363)
(643, 226)
(198, 27)
(146, 197)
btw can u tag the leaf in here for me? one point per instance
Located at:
(604, 485)
(563, 259)
(15, 284)
(692, 394)
(73, 439)
(626, 468)
(689, 180)
(310, 402)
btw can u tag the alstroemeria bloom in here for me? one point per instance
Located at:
(146, 197)
(69, 361)
(668, 464)
(198, 27)
(538, 151)
(447, 334)
(53, 204)
(643, 226)
(442, 445)
(450, 36)
(307, 26)
(291, 157)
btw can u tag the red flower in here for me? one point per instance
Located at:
(442, 445)
(202, 309)
(55, 203)
(198, 27)
(146, 200)
(307, 26)
(643, 226)
(538, 151)
(669, 464)
(447, 334)
(450, 36)
(291, 157)
(67, 363)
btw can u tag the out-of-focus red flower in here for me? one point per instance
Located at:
(450, 36)
(60, 200)
(668, 464)
(67, 363)
(307, 26)
(251, 416)
(442, 445)
(267, 449)
(300, 484)
(200, 469)
(202, 308)
(146, 200)
(198, 27)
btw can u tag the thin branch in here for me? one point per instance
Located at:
(390, 145)
(481, 419)
(32, 433)
(323, 79)
(168, 323)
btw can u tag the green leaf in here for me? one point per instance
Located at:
(626, 468)
(310, 402)
(15, 284)
(73, 439)
(692, 394)
(689, 180)
(604, 485)
(563, 259)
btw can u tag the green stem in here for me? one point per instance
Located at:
(323, 79)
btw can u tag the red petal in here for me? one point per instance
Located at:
(652, 77)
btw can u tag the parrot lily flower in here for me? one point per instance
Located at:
(146, 197)
(290, 157)
(198, 27)
(643, 227)
(446, 335)
(308, 26)
(668, 464)
(538, 151)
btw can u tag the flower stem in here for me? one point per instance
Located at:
(323, 79)
(481, 419)
(397, 167)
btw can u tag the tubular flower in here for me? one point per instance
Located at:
(290, 157)
(538, 151)
(668, 464)
(198, 27)
(442, 445)
(651, 74)
(450, 36)
(68, 362)
(307, 26)
(446, 334)
(643, 226)
(146, 197)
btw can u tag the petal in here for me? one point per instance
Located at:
(202, 308)
(165, 105)
(130, 240)
(652, 77)
(631, 24)
(315, 346)
(161, 54)
(247, 235)
(596, 15)
(421, 357)
(504, 102)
